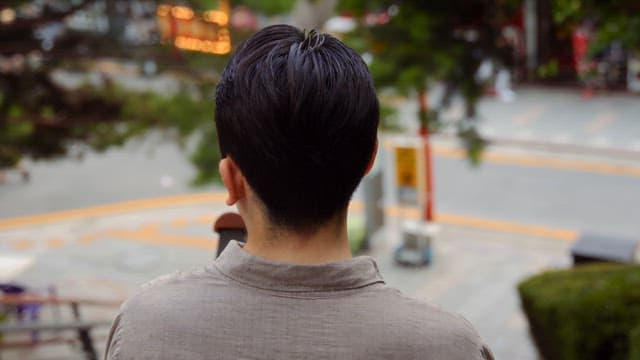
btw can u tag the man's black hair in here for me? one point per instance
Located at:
(299, 115)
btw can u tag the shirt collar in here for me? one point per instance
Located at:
(237, 264)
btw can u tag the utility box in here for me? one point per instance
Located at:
(599, 248)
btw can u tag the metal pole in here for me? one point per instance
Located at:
(429, 214)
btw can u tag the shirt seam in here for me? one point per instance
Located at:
(308, 291)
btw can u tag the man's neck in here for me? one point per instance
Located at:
(327, 244)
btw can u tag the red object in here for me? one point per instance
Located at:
(229, 221)
(580, 49)
(428, 207)
(429, 214)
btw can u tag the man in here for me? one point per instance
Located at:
(297, 119)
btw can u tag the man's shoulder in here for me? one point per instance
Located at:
(403, 306)
(160, 305)
(176, 287)
(424, 325)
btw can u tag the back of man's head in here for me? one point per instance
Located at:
(298, 114)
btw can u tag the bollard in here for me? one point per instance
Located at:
(229, 226)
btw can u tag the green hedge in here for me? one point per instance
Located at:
(585, 313)
(634, 340)
(356, 232)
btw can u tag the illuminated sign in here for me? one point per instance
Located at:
(189, 31)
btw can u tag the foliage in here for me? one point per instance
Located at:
(615, 20)
(634, 340)
(356, 233)
(181, 115)
(40, 118)
(271, 7)
(434, 41)
(584, 313)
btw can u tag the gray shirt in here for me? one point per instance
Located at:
(244, 307)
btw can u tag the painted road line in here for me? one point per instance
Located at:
(55, 243)
(23, 244)
(180, 223)
(544, 162)
(488, 224)
(150, 234)
(507, 227)
(218, 198)
(113, 209)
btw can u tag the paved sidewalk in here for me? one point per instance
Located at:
(107, 254)
(550, 117)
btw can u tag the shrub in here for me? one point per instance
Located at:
(634, 340)
(584, 313)
(356, 232)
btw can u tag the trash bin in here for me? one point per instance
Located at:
(601, 248)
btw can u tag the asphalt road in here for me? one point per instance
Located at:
(581, 201)
(559, 198)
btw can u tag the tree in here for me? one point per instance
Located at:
(40, 118)
(615, 20)
(417, 43)
(607, 25)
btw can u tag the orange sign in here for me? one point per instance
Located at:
(406, 167)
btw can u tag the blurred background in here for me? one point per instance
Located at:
(509, 161)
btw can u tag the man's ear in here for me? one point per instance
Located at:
(373, 158)
(233, 180)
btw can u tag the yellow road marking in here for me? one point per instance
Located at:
(544, 162)
(218, 198)
(207, 219)
(111, 209)
(22, 244)
(508, 227)
(88, 239)
(488, 224)
(180, 223)
(55, 243)
(150, 234)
